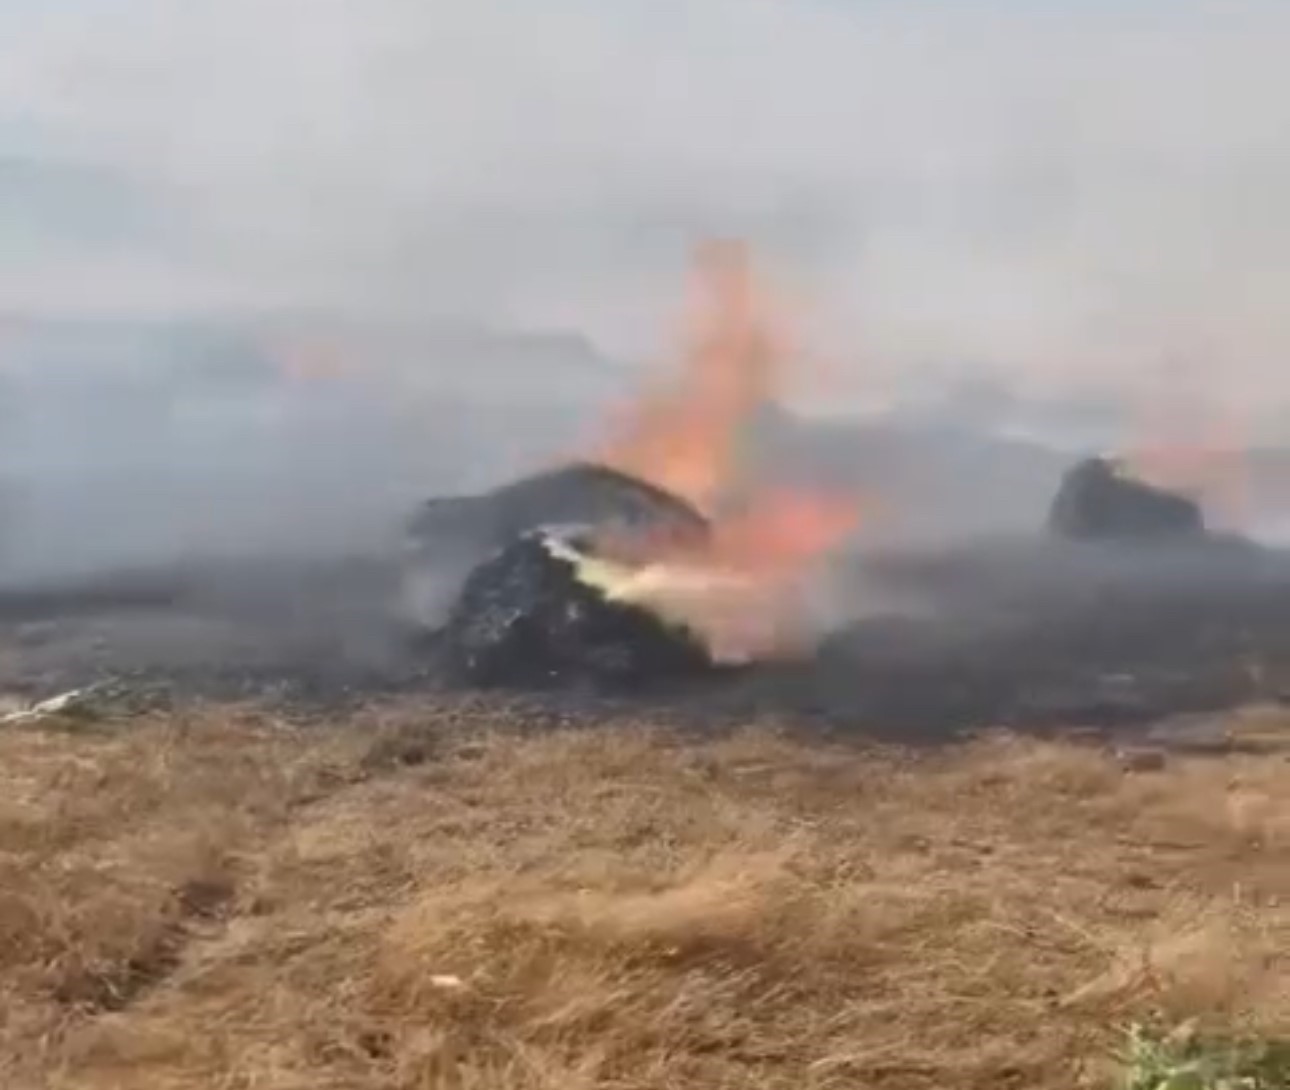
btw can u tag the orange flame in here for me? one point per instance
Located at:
(1195, 446)
(685, 438)
(740, 586)
(303, 358)
(781, 531)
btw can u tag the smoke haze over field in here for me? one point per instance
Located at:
(1063, 190)
(1064, 202)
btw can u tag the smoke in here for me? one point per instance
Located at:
(1068, 197)
(1061, 191)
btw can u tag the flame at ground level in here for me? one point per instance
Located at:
(744, 591)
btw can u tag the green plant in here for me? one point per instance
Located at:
(1187, 1060)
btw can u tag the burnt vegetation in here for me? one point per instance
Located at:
(1034, 632)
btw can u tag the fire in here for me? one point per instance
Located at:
(1194, 446)
(686, 437)
(308, 358)
(742, 586)
(781, 532)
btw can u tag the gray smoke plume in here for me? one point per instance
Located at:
(1063, 200)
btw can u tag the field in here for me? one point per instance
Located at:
(423, 897)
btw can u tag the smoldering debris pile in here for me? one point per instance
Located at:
(1099, 500)
(543, 609)
(543, 612)
(447, 537)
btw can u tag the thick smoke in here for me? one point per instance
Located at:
(130, 444)
(1058, 191)
(1063, 201)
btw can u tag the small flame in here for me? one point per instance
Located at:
(742, 587)
(303, 358)
(1197, 447)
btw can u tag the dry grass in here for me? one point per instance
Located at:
(224, 901)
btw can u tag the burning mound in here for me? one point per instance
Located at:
(678, 559)
(550, 609)
(576, 493)
(1098, 500)
(448, 536)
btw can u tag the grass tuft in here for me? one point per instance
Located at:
(1187, 1060)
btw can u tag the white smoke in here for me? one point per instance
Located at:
(1067, 192)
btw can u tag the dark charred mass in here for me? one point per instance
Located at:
(542, 613)
(1098, 501)
(448, 536)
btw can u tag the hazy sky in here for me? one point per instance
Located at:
(1061, 188)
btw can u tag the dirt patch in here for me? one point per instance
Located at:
(415, 898)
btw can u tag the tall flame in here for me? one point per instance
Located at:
(741, 586)
(685, 437)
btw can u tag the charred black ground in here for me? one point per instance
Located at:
(1037, 632)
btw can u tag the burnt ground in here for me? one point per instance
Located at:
(312, 631)
(1025, 634)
